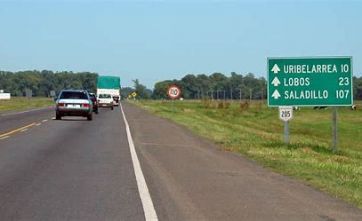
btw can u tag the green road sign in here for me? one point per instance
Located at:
(325, 81)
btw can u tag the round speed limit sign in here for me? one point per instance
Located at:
(174, 92)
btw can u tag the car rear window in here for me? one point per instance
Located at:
(104, 96)
(73, 95)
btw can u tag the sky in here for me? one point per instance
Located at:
(160, 40)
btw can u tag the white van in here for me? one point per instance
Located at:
(105, 100)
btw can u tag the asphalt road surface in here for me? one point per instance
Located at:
(72, 169)
(84, 170)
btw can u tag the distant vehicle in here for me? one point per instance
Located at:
(105, 100)
(93, 98)
(74, 103)
(116, 100)
(110, 85)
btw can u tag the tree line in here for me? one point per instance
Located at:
(193, 86)
(220, 86)
(42, 82)
(216, 86)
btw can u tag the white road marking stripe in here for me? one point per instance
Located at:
(3, 138)
(44, 121)
(148, 208)
(23, 130)
(38, 124)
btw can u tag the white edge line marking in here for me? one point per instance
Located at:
(3, 138)
(44, 121)
(148, 208)
(23, 130)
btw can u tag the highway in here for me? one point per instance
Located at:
(76, 169)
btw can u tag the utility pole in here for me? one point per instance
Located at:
(250, 94)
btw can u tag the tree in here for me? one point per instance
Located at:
(141, 90)
(126, 91)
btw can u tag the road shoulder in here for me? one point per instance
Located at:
(190, 178)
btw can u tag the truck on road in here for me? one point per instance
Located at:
(109, 85)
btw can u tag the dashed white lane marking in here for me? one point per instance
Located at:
(148, 208)
(3, 138)
(44, 121)
(38, 124)
(23, 130)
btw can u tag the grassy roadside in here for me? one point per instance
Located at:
(256, 132)
(21, 104)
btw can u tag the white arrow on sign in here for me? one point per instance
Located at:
(276, 95)
(275, 69)
(275, 82)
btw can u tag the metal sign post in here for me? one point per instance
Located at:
(286, 132)
(334, 130)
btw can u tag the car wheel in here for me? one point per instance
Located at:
(90, 116)
(58, 116)
(112, 107)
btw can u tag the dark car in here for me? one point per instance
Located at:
(74, 103)
(94, 101)
(115, 100)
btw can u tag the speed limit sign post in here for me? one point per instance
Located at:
(173, 92)
(286, 114)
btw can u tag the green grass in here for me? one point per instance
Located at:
(21, 103)
(258, 134)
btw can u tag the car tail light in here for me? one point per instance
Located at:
(86, 105)
(61, 104)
